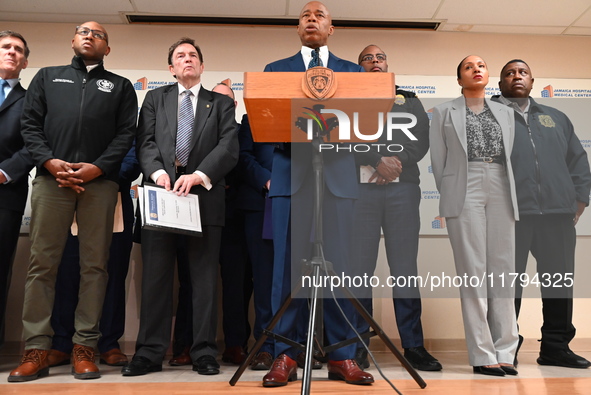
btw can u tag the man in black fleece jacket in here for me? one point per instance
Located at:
(78, 123)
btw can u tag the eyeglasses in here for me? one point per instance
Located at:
(84, 31)
(369, 58)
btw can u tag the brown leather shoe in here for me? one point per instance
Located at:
(182, 359)
(262, 361)
(284, 369)
(57, 358)
(234, 355)
(349, 371)
(301, 360)
(33, 366)
(83, 366)
(113, 357)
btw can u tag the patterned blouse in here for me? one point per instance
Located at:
(484, 134)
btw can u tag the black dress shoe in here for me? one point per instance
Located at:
(140, 366)
(564, 358)
(420, 359)
(519, 343)
(207, 365)
(510, 370)
(489, 371)
(361, 358)
(301, 360)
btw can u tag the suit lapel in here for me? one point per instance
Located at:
(15, 94)
(171, 108)
(333, 63)
(296, 63)
(458, 118)
(204, 107)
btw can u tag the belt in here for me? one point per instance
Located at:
(180, 170)
(488, 159)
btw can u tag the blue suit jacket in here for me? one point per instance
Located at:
(255, 163)
(339, 168)
(14, 157)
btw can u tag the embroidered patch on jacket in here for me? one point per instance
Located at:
(400, 100)
(105, 85)
(546, 120)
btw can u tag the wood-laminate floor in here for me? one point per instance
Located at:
(456, 378)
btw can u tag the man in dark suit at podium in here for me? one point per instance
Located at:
(291, 191)
(15, 162)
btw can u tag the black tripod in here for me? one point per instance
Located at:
(314, 267)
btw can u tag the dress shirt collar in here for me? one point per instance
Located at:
(307, 55)
(194, 90)
(524, 113)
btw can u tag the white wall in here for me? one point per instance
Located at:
(250, 48)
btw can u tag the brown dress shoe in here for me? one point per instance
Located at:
(182, 359)
(262, 361)
(235, 355)
(33, 366)
(57, 358)
(113, 357)
(83, 366)
(284, 369)
(349, 371)
(301, 360)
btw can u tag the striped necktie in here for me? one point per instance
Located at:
(185, 129)
(316, 61)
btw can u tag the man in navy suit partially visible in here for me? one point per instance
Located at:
(291, 191)
(15, 162)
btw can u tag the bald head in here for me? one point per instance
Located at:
(373, 59)
(315, 25)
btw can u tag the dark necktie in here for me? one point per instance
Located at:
(185, 129)
(3, 84)
(316, 61)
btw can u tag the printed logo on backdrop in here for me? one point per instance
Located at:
(420, 89)
(549, 91)
(438, 223)
(237, 86)
(491, 91)
(143, 84)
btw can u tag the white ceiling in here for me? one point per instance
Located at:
(554, 17)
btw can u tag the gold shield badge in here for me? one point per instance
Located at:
(546, 121)
(319, 83)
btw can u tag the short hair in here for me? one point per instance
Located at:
(10, 33)
(229, 87)
(184, 40)
(513, 61)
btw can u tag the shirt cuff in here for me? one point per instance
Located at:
(8, 179)
(154, 176)
(206, 180)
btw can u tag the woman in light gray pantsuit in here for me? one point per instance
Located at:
(471, 140)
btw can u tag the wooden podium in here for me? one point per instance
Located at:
(280, 106)
(274, 101)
